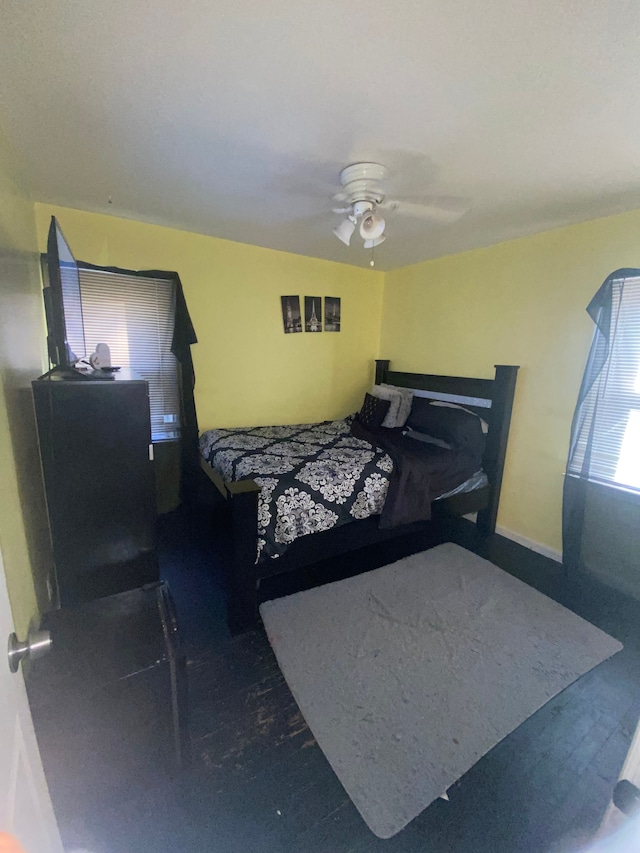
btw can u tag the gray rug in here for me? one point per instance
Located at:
(407, 675)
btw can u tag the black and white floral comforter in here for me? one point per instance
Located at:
(312, 476)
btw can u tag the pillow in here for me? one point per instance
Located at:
(400, 400)
(426, 439)
(483, 423)
(406, 398)
(373, 412)
(394, 404)
(456, 426)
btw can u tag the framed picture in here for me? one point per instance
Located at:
(313, 313)
(291, 318)
(332, 313)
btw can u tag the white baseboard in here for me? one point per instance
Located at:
(522, 540)
(529, 543)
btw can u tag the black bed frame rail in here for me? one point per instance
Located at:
(242, 495)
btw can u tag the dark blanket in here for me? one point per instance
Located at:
(421, 473)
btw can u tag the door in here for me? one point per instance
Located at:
(613, 817)
(25, 806)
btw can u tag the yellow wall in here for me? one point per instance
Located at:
(521, 302)
(248, 372)
(24, 537)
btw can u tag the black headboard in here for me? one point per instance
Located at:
(492, 399)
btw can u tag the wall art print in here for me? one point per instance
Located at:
(313, 313)
(332, 313)
(291, 317)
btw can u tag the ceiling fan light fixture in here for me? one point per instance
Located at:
(363, 198)
(363, 208)
(372, 226)
(345, 230)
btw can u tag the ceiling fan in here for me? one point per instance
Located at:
(366, 201)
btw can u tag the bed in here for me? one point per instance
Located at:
(301, 493)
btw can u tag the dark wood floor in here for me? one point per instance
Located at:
(259, 782)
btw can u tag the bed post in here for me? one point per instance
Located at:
(501, 405)
(244, 513)
(382, 366)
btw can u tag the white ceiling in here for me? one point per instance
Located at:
(234, 118)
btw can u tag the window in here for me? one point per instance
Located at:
(615, 398)
(135, 316)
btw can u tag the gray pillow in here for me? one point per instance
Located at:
(400, 404)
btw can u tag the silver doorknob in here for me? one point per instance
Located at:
(35, 646)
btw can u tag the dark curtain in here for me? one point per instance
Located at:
(183, 336)
(603, 310)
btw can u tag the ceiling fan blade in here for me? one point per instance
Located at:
(434, 210)
(342, 210)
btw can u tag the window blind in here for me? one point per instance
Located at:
(135, 316)
(615, 397)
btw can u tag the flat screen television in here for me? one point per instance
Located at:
(63, 302)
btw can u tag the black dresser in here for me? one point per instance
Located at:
(97, 462)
